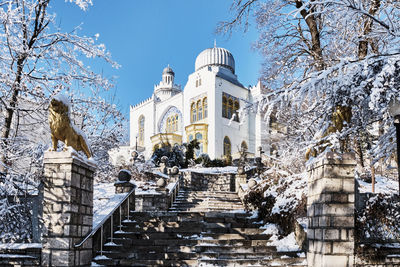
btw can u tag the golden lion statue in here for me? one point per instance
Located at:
(340, 116)
(63, 130)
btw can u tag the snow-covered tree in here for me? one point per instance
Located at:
(326, 58)
(38, 61)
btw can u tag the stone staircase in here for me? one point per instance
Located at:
(201, 229)
(202, 201)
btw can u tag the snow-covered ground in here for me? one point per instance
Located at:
(382, 185)
(212, 170)
(287, 243)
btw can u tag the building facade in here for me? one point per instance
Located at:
(212, 108)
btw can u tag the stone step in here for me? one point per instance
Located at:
(235, 249)
(195, 227)
(151, 263)
(159, 254)
(251, 262)
(203, 209)
(200, 229)
(189, 235)
(127, 242)
(193, 216)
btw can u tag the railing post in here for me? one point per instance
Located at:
(112, 227)
(101, 240)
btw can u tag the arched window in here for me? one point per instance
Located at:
(227, 146)
(190, 138)
(224, 107)
(141, 131)
(199, 137)
(243, 146)
(194, 113)
(168, 129)
(172, 128)
(205, 107)
(230, 108)
(236, 110)
(199, 111)
(176, 122)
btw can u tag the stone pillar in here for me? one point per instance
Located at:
(67, 209)
(330, 211)
(240, 179)
(123, 185)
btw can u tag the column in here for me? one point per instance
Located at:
(67, 209)
(330, 210)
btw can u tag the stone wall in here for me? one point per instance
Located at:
(67, 210)
(207, 181)
(330, 211)
(157, 199)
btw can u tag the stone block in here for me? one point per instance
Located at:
(318, 234)
(342, 247)
(56, 181)
(315, 222)
(75, 180)
(330, 234)
(343, 221)
(329, 185)
(337, 209)
(348, 186)
(339, 171)
(310, 211)
(310, 233)
(85, 257)
(62, 258)
(65, 168)
(56, 207)
(45, 257)
(70, 230)
(318, 209)
(314, 259)
(339, 198)
(351, 198)
(324, 221)
(322, 247)
(59, 243)
(334, 261)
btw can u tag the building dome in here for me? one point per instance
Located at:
(215, 56)
(168, 70)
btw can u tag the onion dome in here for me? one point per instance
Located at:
(168, 70)
(215, 56)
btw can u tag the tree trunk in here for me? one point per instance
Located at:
(316, 50)
(363, 44)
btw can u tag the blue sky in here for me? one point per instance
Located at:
(145, 36)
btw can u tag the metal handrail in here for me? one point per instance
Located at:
(94, 230)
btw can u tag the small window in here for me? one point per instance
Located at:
(176, 122)
(194, 112)
(141, 131)
(199, 136)
(199, 111)
(230, 108)
(243, 146)
(227, 146)
(236, 111)
(224, 107)
(205, 107)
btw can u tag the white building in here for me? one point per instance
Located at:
(206, 109)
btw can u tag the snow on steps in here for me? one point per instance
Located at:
(195, 233)
(20, 254)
